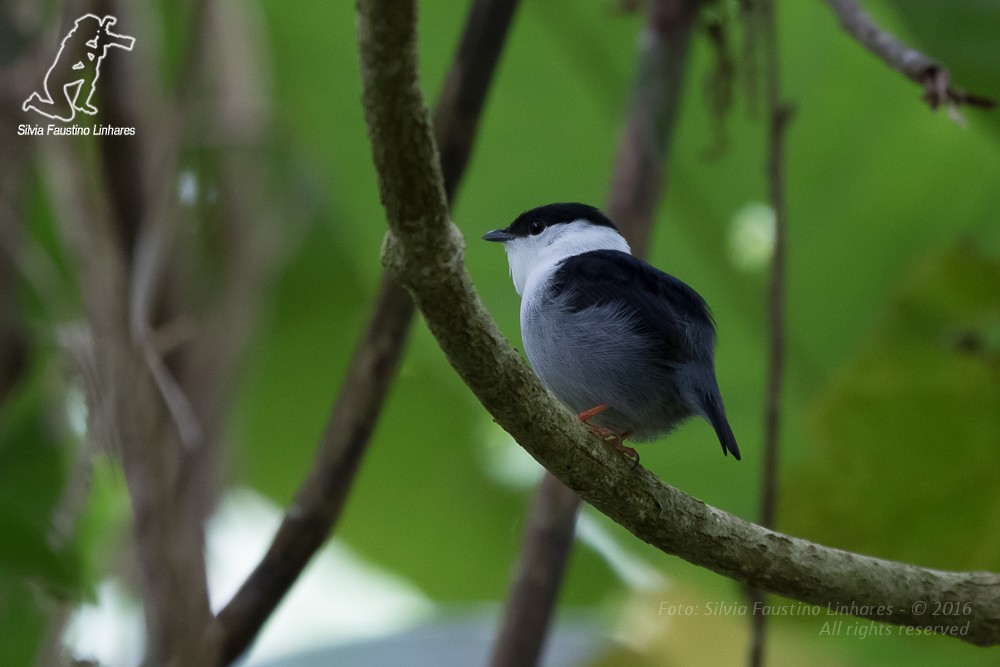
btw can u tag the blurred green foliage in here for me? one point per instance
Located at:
(914, 420)
(892, 399)
(37, 560)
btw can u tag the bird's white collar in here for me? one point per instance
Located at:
(533, 258)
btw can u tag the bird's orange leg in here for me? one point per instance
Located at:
(587, 415)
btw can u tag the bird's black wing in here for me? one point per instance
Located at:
(662, 304)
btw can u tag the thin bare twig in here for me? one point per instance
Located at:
(141, 172)
(750, 66)
(637, 186)
(319, 502)
(424, 250)
(929, 73)
(778, 115)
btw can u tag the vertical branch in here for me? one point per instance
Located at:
(227, 115)
(639, 176)
(137, 404)
(320, 500)
(778, 115)
(127, 409)
(637, 184)
(548, 541)
(128, 222)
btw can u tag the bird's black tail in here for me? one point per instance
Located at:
(716, 416)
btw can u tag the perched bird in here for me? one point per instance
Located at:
(627, 347)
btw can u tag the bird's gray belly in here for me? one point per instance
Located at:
(595, 356)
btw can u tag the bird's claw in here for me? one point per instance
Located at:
(627, 452)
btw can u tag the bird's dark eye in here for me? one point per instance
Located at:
(536, 227)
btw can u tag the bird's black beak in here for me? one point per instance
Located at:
(499, 235)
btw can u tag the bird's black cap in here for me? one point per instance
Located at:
(534, 221)
(555, 214)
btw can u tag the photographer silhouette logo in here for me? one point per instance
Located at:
(71, 81)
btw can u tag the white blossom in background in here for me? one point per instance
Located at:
(751, 237)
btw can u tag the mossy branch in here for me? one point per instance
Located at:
(425, 252)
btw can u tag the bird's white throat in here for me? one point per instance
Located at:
(533, 258)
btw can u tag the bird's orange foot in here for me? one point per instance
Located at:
(607, 435)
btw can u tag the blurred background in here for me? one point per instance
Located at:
(891, 430)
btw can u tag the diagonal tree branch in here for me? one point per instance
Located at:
(637, 186)
(425, 251)
(309, 520)
(460, 105)
(929, 73)
(320, 500)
